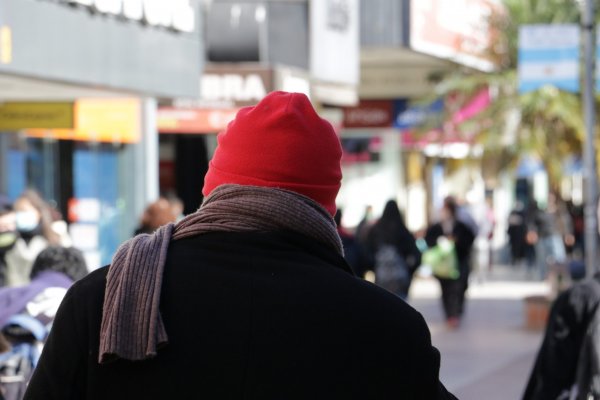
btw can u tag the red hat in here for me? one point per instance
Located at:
(281, 143)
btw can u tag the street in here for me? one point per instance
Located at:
(491, 354)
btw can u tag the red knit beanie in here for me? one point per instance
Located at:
(281, 143)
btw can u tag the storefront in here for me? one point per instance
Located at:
(78, 113)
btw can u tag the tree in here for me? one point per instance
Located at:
(546, 122)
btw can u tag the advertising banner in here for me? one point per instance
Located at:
(16, 116)
(458, 30)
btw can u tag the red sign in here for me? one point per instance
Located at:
(178, 120)
(369, 114)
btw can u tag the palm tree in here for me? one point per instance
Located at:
(546, 123)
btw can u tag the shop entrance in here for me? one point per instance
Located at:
(183, 164)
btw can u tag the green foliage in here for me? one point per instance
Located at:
(546, 122)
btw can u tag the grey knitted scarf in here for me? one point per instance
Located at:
(132, 327)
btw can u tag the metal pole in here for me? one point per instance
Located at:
(589, 152)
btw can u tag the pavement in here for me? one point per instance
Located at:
(491, 354)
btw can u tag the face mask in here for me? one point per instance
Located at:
(7, 239)
(27, 221)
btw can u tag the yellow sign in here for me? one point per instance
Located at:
(5, 45)
(100, 120)
(16, 116)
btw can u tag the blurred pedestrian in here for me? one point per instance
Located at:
(395, 251)
(249, 297)
(454, 230)
(157, 214)
(351, 253)
(553, 227)
(34, 226)
(27, 312)
(517, 234)
(361, 234)
(363, 227)
(8, 234)
(577, 248)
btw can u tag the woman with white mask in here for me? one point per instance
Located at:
(33, 220)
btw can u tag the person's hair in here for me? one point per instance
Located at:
(157, 214)
(43, 208)
(66, 260)
(451, 205)
(392, 219)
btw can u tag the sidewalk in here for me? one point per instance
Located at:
(490, 356)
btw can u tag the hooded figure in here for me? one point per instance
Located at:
(249, 297)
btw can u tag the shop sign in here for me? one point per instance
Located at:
(174, 14)
(334, 41)
(236, 85)
(84, 210)
(233, 87)
(407, 117)
(458, 30)
(369, 113)
(100, 120)
(174, 120)
(5, 45)
(18, 115)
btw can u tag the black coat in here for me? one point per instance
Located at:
(249, 316)
(556, 366)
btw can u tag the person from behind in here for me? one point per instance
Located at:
(456, 231)
(554, 229)
(249, 297)
(396, 256)
(34, 225)
(27, 312)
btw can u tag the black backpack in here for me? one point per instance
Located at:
(391, 270)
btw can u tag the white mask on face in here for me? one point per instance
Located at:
(27, 221)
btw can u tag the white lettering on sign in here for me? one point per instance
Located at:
(233, 87)
(174, 14)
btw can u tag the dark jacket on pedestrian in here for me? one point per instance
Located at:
(252, 316)
(560, 361)
(462, 236)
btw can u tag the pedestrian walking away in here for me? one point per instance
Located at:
(395, 251)
(462, 238)
(247, 298)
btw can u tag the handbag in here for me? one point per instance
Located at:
(442, 259)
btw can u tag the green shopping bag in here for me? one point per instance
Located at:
(442, 259)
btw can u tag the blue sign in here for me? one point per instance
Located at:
(549, 55)
(406, 117)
